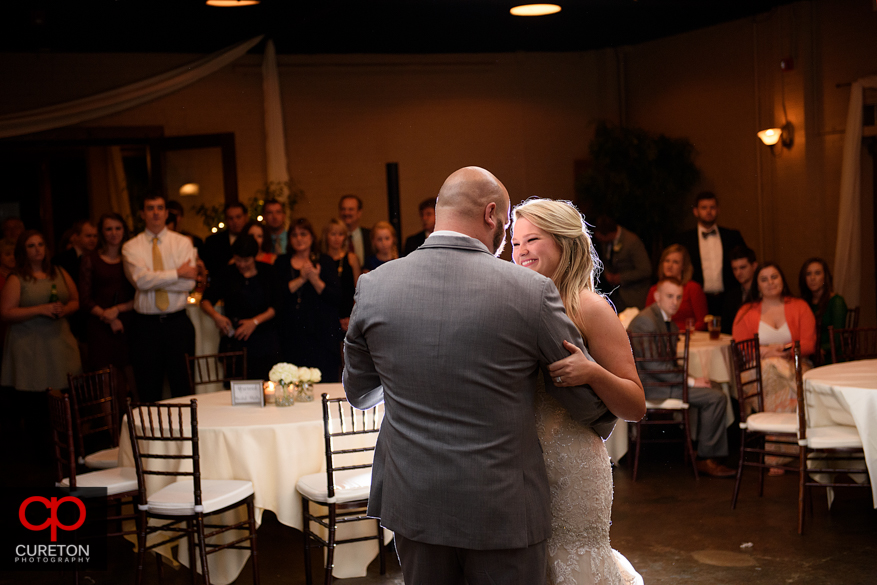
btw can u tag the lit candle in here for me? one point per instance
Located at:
(269, 392)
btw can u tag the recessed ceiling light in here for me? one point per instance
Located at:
(535, 9)
(227, 3)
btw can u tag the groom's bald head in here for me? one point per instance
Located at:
(473, 202)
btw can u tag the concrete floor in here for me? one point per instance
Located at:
(672, 528)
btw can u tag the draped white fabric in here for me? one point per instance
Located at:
(122, 98)
(275, 143)
(848, 253)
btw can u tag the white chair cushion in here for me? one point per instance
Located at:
(772, 422)
(178, 498)
(103, 459)
(117, 480)
(668, 404)
(836, 437)
(350, 485)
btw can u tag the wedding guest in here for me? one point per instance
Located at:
(83, 239)
(829, 308)
(7, 260)
(107, 298)
(265, 252)
(249, 293)
(12, 228)
(626, 265)
(350, 212)
(427, 220)
(710, 246)
(335, 245)
(779, 319)
(383, 236)
(39, 350)
(675, 263)
(161, 265)
(216, 251)
(175, 214)
(310, 298)
(743, 265)
(274, 214)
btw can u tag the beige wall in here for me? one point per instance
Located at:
(529, 116)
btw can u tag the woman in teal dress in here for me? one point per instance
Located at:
(40, 350)
(828, 307)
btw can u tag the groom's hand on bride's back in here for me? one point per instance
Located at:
(575, 370)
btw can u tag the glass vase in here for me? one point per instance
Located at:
(305, 392)
(284, 394)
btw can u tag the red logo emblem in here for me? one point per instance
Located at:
(52, 505)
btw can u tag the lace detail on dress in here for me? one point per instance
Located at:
(580, 479)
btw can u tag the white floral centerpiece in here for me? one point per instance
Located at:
(286, 377)
(307, 378)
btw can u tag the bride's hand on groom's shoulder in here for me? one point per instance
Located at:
(575, 370)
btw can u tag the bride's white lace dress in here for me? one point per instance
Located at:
(580, 478)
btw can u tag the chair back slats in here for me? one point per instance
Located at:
(852, 321)
(216, 368)
(853, 344)
(746, 358)
(799, 387)
(61, 420)
(346, 429)
(153, 428)
(94, 409)
(657, 353)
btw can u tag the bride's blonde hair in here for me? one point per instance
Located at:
(579, 264)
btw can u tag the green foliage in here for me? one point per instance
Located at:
(640, 180)
(287, 192)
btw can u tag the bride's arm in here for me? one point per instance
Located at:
(613, 377)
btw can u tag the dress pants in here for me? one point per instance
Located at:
(433, 564)
(712, 432)
(159, 344)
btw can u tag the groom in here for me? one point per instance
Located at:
(452, 340)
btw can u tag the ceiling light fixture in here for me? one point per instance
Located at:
(535, 9)
(230, 3)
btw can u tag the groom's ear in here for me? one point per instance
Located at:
(490, 214)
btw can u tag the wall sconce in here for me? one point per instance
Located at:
(190, 190)
(535, 9)
(785, 136)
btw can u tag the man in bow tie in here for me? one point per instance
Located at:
(710, 249)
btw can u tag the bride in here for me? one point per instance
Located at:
(550, 237)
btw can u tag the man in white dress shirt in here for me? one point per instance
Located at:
(350, 212)
(160, 263)
(710, 249)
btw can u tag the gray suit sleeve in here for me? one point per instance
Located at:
(362, 384)
(580, 401)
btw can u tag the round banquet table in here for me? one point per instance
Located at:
(846, 394)
(272, 447)
(710, 359)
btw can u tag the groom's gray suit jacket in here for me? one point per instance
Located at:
(451, 339)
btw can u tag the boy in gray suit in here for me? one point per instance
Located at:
(452, 340)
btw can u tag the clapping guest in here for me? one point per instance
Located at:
(829, 308)
(249, 293)
(675, 263)
(265, 252)
(40, 350)
(335, 245)
(311, 294)
(779, 319)
(383, 238)
(107, 298)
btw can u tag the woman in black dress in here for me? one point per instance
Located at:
(311, 294)
(249, 292)
(108, 298)
(335, 245)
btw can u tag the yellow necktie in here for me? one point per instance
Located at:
(161, 299)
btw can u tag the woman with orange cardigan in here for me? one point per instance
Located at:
(779, 319)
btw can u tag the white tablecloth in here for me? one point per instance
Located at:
(272, 447)
(710, 359)
(846, 394)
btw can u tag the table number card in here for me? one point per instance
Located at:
(247, 392)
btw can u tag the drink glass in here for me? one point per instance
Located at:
(689, 324)
(715, 327)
